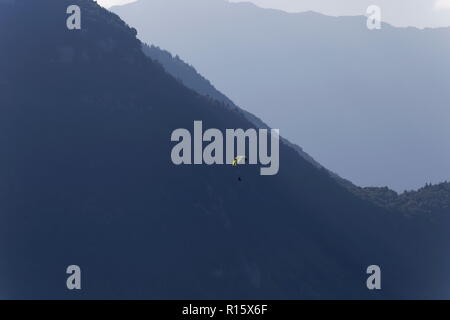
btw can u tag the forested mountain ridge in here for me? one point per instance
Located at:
(430, 200)
(186, 73)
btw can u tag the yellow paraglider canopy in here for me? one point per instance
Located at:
(238, 160)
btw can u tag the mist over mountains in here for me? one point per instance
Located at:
(400, 13)
(352, 98)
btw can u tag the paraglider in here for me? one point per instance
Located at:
(239, 160)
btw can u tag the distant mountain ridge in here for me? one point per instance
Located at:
(431, 200)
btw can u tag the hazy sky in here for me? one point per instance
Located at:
(418, 13)
(109, 3)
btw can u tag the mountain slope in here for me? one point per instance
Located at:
(431, 200)
(187, 74)
(347, 95)
(86, 178)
